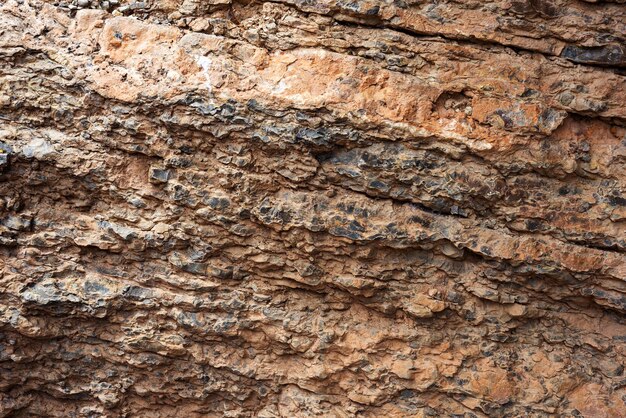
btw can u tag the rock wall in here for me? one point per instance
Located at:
(313, 208)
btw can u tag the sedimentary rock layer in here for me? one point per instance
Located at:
(304, 208)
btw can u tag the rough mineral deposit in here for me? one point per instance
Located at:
(313, 208)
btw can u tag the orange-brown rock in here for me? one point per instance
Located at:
(304, 208)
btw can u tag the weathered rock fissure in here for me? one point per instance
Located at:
(297, 208)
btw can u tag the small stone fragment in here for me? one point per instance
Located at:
(158, 175)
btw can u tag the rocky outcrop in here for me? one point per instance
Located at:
(304, 208)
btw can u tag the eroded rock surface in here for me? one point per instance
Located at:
(304, 208)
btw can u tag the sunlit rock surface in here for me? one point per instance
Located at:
(313, 208)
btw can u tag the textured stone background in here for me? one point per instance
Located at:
(313, 208)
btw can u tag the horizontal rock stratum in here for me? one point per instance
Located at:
(313, 208)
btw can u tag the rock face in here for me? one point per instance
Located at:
(305, 208)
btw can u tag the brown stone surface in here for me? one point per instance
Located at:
(313, 208)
